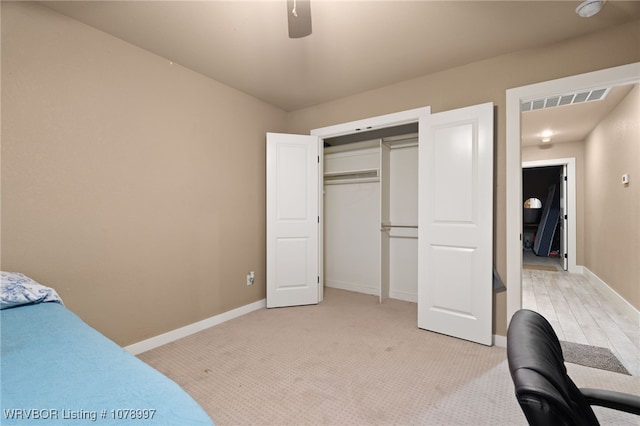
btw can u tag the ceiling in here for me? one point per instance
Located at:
(355, 45)
(570, 123)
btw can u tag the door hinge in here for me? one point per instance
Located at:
(318, 219)
(566, 255)
(318, 159)
(565, 178)
(566, 217)
(318, 279)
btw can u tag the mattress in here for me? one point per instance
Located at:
(56, 369)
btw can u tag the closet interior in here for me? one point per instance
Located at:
(371, 212)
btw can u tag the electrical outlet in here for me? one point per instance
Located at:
(251, 276)
(625, 179)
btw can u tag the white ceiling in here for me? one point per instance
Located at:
(355, 45)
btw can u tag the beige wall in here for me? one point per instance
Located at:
(136, 187)
(612, 218)
(133, 186)
(566, 150)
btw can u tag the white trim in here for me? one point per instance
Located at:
(415, 115)
(617, 76)
(396, 295)
(613, 297)
(190, 329)
(367, 124)
(500, 341)
(572, 212)
(356, 288)
(404, 296)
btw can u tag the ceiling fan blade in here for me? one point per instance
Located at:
(299, 17)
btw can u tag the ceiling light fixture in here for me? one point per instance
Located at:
(546, 136)
(588, 8)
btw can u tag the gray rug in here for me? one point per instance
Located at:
(592, 356)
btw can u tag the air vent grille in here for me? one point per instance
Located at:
(568, 99)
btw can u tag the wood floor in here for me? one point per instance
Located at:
(580, 314)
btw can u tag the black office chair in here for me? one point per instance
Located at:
(546, 394)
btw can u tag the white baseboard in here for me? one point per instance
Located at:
(357, 288)
(612, 296)
(401, 295)
(187, 330)
(578, 269)
(500, 341)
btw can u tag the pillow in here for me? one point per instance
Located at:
(17, 289)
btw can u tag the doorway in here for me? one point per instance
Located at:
(371, 213)
(561, 171)
(622, 75)
(455, 223)
(359, 132)
(543, 219)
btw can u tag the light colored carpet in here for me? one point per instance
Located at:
(346, 361)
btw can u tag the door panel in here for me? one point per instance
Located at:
(452, 265)
(455, 237)
(452, 199)
(292, 220)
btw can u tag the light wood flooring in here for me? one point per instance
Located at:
(579, 313)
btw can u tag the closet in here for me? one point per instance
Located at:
(374, 190)
(370, 203)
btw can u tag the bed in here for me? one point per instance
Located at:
(56, 369)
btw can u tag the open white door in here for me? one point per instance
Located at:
(455, 237)
(292, 220)
(564, 229)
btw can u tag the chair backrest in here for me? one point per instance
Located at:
(546, 394)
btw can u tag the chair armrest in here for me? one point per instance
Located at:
(611, 399)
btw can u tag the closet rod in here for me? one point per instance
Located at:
(388, 225)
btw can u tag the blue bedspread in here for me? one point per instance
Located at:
(56, 369)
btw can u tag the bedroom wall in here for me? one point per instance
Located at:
(132, 185)
(566, 150)
(484, 81)
(612, 234)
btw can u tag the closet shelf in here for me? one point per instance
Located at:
(352, 176)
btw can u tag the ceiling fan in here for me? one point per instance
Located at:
(299, 17)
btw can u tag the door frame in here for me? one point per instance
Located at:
(571, 210)
(352, 127)
(616, 76)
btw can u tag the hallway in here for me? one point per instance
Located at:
(579, 313)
